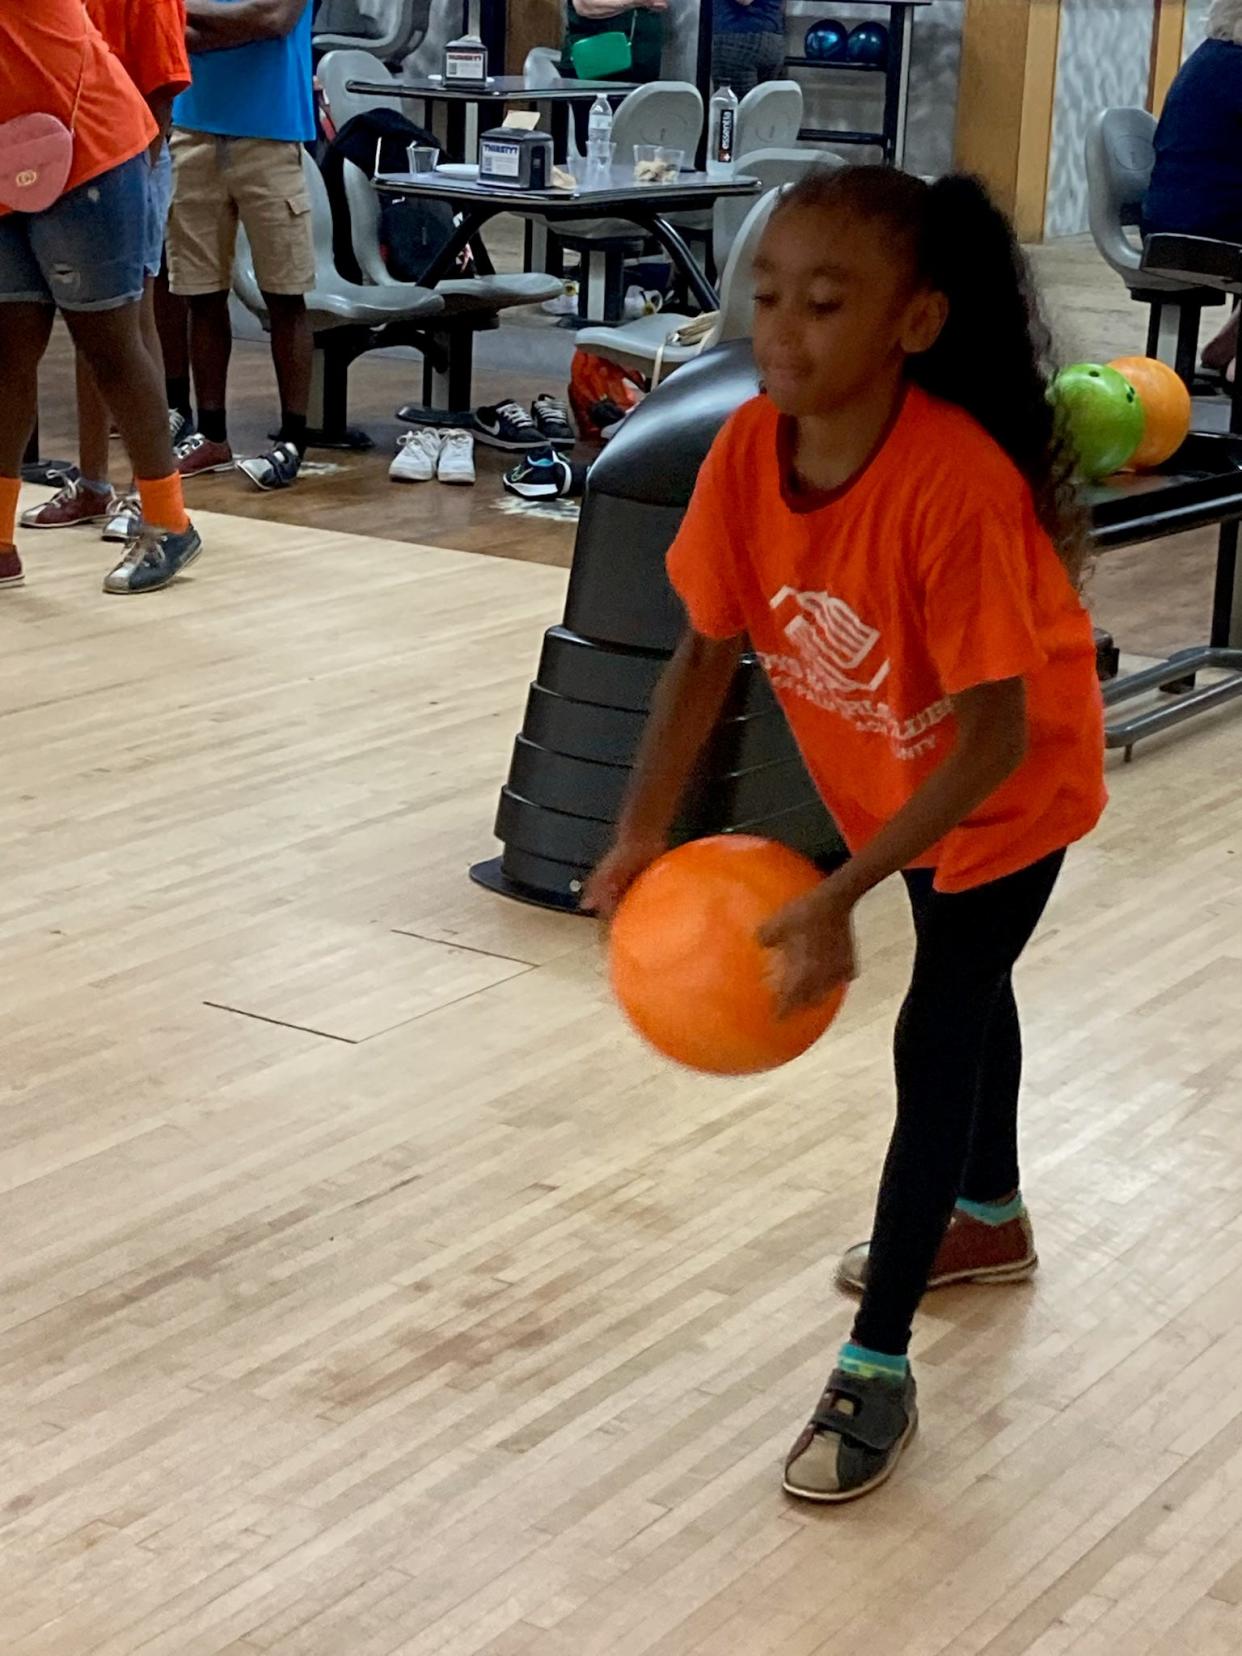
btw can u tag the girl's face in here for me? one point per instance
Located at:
(835, 304)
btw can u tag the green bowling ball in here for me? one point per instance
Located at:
(1101, 415)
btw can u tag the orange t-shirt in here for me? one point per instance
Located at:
(149, 38)
(925, 575)
(46, 49)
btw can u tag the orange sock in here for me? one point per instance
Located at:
(163, 505)
(10, 488)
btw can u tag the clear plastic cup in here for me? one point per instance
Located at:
(657, 164)
(422, 158)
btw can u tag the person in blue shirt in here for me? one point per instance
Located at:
(237, 157)
(748, 42)
(1196, 183)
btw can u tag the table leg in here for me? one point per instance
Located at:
(674, 244)
(465, 230)
(455, 126)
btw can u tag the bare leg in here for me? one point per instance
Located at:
(149, 323)
(293, 346)
(94, 426)
(24, 333)
(211, 345)
(172, 318)
(1220, 352)
(131, 384)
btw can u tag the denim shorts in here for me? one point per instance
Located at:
(159, 200)
(86, 252)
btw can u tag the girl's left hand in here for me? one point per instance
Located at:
(814, 943)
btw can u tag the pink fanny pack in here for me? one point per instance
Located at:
(36, 155)
(36, 152)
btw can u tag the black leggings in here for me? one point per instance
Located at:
(958, 1057)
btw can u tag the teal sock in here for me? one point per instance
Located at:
(993, 1213)
(866, 1364)
(96, 485)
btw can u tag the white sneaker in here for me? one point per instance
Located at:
(416, 456)
(456, 464)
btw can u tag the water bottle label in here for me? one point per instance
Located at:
(724, 137)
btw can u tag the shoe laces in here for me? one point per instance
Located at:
(552, 405)
(190, 445)
(147, 547)
(515, 412)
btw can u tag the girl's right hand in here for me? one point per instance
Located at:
(616, 874)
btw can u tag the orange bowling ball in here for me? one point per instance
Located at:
(1166, 409)
(688, 967)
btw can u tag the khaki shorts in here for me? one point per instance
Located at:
(221, 181)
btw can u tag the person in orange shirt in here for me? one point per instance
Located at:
(892, 526)
(148, 37)
(85, 254)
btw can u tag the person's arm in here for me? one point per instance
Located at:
(597, 11)
(814, 936)
(214, 24)
(684, 711)
(160, 103)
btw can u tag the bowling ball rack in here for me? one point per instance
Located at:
(890, 138)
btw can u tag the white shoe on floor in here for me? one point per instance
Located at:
(456, 463)
(416, 456)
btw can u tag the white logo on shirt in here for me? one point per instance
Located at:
(837, 663)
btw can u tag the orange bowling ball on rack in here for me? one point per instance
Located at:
(1166, 409)
(688, 967)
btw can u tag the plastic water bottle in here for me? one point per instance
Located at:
(599, 133)
(721, 130)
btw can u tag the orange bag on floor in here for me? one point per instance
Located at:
(594, 381)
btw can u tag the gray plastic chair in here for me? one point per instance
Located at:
(498, 292)
(387, 29)
(338, 68)
(774, 168)
(542, 67)
(1120, 154)
(769, 117)
(645, 343)
(664, 112)
(347, 318)
(471, 303)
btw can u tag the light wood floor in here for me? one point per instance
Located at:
(366, 1289)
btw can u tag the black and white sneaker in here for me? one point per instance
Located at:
(552, 417)
(507, 426)
(541, 475)
(274, 470)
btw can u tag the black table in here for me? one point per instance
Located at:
(645, 205)
(496, 94)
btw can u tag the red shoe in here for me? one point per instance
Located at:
(11, 572)
(71, 505)
(199, 455)
(971, 1252)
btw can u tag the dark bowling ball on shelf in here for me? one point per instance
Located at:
(826, 39)
(868, 43)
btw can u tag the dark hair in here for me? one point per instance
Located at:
(993, 354)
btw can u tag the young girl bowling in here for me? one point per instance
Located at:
(891, 525)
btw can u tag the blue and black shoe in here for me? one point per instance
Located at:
(152, 559)
(543, 474)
